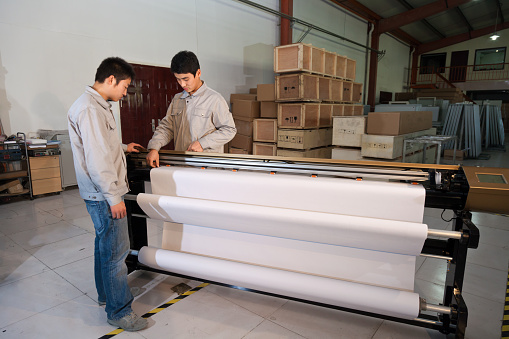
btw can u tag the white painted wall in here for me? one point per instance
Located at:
(50, 50)
(393, 67)
(325, 14)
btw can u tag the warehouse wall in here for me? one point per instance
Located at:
(49, 50)
(477, 43)
(393, 67)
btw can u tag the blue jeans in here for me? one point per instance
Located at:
(111, 249)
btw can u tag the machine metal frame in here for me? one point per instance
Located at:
(446, 188)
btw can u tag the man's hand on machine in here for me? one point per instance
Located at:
(195, 147)
(153, 158)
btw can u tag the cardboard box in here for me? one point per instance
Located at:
(299, 57)
(243, 142)
(252, 90)
(348, 131)
(449, 154)
(298, 115)
(242, 96)
(346, 153)
(263, 148)
(244, 127)
(265, 130)
(234, 150)
(297, 87)
(321, 152)
(398, 123)
(266, 92)
(268, 109)
(246, 108)
(391, 146)
(304, 138)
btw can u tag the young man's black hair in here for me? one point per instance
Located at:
(115, 66)
(185, 62)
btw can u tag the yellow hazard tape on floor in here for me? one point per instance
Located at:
(158, 309)
(505, 319)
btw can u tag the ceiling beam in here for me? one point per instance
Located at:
(434, 45)
(500, 11)
(417, 14)
(424, 21)
(367, 14)
(464, 18)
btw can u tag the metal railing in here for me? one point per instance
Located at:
(437, 76)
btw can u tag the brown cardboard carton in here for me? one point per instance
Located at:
(242, 96)
(397, 123)
(246, 108)
(268, 109)
(266, 92)
(449, 154)
(244, 127)
(265, 130)
(243, 142)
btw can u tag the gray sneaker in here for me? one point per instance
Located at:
(130, 322)
(135, 291)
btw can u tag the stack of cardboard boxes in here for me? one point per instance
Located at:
(381, 136)
(255, 118)
(313, 85)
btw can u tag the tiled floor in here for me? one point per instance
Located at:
(47, 288)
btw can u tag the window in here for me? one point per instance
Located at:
(432, 63)
(489, 59)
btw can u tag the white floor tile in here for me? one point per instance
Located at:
(484, 317)
(9, 247)
(432, 292)
(27, 297)
(70, 212)
(26, 222)
(489, 256)
(46, 235)
(85, 223)
(490, 220)
(268, 330)
(494, 236)
(19, 266)
(81, 275)
(203, 315)
(318, 322)
(476, 283)
(394, 330)
(77, 318)
(260, 304)
(65, 251)
(433, 270)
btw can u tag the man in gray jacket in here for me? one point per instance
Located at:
(101, 171)
(198, 119)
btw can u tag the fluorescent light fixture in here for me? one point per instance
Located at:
(494, 37)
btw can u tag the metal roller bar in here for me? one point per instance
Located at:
(435, 256)
(296, 167)
(444, 234)
(437, 308)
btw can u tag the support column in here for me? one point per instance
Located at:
(373, 67)
(286, 33)
(415, 64)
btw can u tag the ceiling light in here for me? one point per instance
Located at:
(494, 37)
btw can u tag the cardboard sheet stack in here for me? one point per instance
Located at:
(381, 136)
(245, 108)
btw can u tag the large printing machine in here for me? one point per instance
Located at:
(448, 187)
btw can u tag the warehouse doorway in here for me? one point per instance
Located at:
(458, 70)
(148, 98)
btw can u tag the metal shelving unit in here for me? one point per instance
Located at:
(14, 164)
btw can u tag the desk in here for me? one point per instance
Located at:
(431, 139)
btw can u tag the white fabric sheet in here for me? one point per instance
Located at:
(372, 199)
(368, 233)
(346, 263)
(330, 291)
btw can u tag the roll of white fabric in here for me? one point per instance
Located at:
(371, 199)
(324, 290)
(328, 228)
